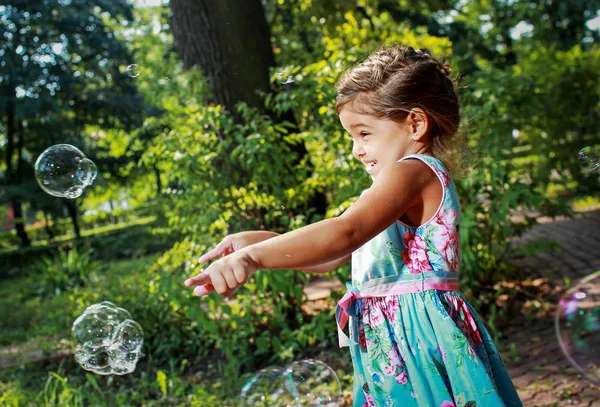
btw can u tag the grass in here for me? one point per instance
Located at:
(101, 230)
(31, 323)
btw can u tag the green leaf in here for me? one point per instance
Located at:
(161, 378)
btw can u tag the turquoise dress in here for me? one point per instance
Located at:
(414, 338)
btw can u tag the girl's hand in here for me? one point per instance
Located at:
(224, 276)
(231, 244)
(234, 242)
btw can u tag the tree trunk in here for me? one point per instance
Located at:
(158, 182)
(230, 41)
(72, 208)
(11, 177)
(48, 228)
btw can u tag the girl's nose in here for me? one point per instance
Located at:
(358, 151)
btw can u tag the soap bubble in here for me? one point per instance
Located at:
(287, 81)
(133, 70)
(267, 388)
(589, 158)
(313, 384)
(577, 326)
(64, 171)
(307, 383)
(107, 340)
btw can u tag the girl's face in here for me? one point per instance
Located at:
(376, 142)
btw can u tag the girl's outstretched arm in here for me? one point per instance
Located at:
(397, 188)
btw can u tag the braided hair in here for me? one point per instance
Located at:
(392, 81)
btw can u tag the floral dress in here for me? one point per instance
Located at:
(414, 338)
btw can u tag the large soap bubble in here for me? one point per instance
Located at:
(306, 383)
(313, 384)
(267, 388)
(578, 326)
(107, 339)
(589, 158)
(64, 171)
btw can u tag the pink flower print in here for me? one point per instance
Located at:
(390, 307)
(445, 220)
(375, 315)
(389, 370)
(402, 377)
(394, 356)
(450, 254)
(415, 255)
(461, 315)
(444, 176)
(447, 404)
(369, 401)
(443, 353)
(362, 341)
(446, 238)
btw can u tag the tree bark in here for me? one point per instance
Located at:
(230, 41)
(47, 226)
(12, 177)
(72, 209)
(158, 182)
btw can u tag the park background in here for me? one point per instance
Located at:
(227, 125)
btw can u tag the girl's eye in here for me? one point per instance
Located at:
(363, 133)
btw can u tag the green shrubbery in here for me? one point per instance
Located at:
(64, 272)
(236, 177)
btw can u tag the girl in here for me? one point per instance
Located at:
(414, 338)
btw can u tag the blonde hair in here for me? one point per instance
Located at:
(392, 81)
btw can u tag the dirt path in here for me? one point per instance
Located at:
(540, 371)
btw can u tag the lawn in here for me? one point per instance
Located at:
(35, 342)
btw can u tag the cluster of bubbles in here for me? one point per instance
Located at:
(577, 326)
(306, 383)
(107, 339)
(64, 171)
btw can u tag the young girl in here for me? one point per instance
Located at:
(414, 338)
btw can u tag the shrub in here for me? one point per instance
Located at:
(67, 270)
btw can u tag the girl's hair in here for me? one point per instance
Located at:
(392, 81)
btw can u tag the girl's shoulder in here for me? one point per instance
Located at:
(436, 165)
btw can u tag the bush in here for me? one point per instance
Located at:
(64, 272)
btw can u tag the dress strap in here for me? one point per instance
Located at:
(386, 286)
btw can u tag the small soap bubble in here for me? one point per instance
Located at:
(107, 340)
(577, 326)
(64, 171)
(589, 158)
(267, 388)
(133, 70)
(313, 384)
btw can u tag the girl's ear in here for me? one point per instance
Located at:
(418, 123)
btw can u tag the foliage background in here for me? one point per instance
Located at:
(178, 173)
